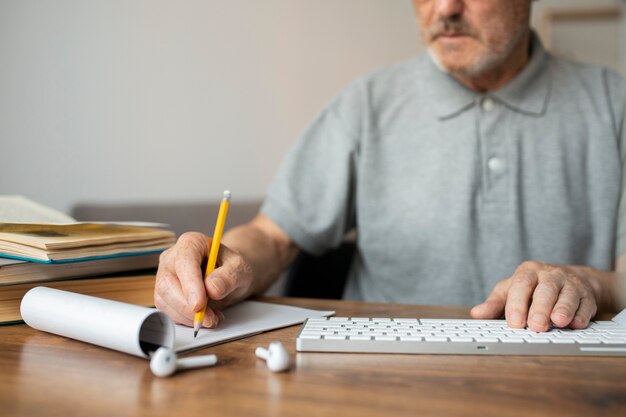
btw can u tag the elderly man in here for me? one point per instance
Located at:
(484, 159)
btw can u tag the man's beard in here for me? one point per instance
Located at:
(485, 61)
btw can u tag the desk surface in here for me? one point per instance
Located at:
(43, 374)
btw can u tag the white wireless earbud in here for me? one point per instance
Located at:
(276, 357)
(164, 362)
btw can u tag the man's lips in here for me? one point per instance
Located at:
(450, 35)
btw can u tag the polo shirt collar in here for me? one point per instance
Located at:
(448, 97)
(528, 93)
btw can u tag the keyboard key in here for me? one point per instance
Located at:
(310, 336)
(461, 339)
(334, 337)
(590, 341)
(563, 341)
(512, 340)
(614, 341)
(602, 324)
(411, 338)
(360, 337)
(487, 339)
(440, 321)
(436, 339)
(408, 321)
(385, 338)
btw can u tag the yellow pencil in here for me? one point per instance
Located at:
(215, 248)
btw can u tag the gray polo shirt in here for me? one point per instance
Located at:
(450, 190)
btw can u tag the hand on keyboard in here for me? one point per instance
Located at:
(539, 295)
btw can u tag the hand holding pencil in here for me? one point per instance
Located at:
(213, 252)
(183, 287)
(252, 257)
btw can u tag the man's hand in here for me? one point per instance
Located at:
(181, 290)
(540, 294)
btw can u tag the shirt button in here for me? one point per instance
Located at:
(487, 104)
(495, 164)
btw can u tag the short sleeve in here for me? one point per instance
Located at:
(312, 195)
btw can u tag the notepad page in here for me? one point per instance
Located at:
(244, 319)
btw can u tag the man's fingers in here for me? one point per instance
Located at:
(566, 306)
(493, 307)
(181, 290)
(168, 288)
(586, 310)
(226, 279)
(539, 294)
(186, 317)
(162, 305)
(490, 309)
(189, 273)
(211, 318)
(221, 284)
(192, 249)
(544, 299)
(523, 283)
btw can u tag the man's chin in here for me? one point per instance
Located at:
(465, 63)
(454, 62)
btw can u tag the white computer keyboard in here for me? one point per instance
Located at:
(444, 336)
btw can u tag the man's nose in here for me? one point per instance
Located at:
(449, 8)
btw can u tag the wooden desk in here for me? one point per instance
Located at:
(46, 375)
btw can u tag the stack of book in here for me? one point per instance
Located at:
(88, 258)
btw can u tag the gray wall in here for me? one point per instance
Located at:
(140, 101)
(135, 101)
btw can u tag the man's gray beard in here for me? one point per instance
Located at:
(484, 63)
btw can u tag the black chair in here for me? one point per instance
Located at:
(322, 276)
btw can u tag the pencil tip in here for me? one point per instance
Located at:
(227, 195)
(195, 333)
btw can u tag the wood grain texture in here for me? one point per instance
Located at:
(134, 289)
(47, 375)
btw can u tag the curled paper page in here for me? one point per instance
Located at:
(119, 326)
